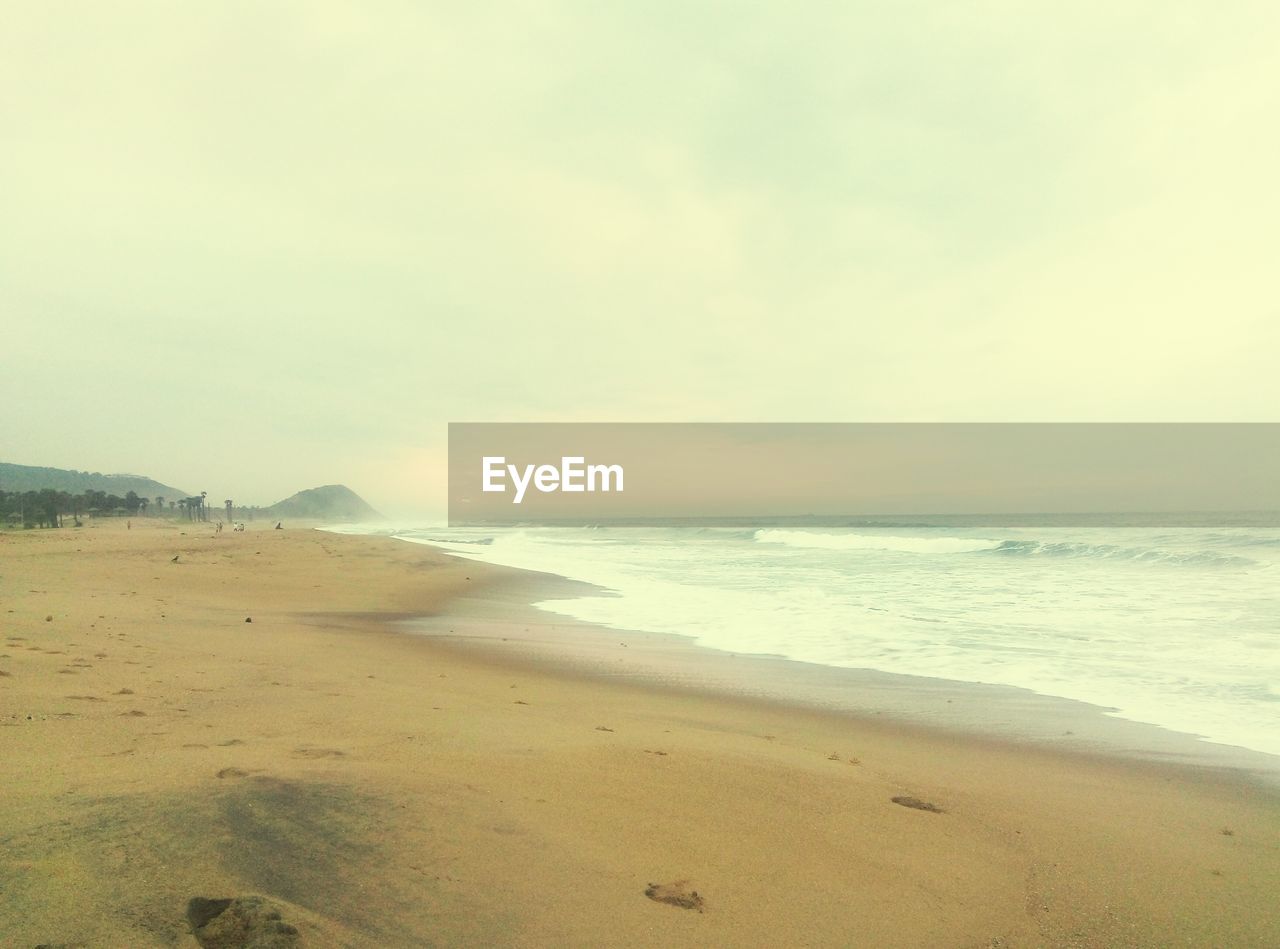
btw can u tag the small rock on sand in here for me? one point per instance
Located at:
(243, 922)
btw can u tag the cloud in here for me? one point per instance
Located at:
(320, 225)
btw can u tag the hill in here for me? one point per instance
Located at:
(330, 502)
(30, 478)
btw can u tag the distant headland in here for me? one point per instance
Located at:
(33, 496)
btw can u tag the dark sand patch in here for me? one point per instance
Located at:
(131, 863)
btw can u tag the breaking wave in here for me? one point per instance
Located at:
(816, 540)
(916, 545)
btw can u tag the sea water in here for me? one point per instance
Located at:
(1176, 626)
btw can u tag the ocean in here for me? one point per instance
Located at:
(1173, 625)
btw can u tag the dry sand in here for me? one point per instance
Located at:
(384, 789)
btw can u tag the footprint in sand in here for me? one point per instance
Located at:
(675, 894)
(917, 804)
(318, 753)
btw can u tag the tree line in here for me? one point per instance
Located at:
(49, 507)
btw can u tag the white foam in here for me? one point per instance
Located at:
(1189, 641)
(917, 545)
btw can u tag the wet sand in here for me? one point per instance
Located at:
(498, 622)
(379, 788)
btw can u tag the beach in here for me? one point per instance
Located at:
(188, 714)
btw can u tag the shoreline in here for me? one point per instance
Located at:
(392, 789)
(506, 624)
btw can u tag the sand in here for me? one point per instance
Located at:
(348, 783)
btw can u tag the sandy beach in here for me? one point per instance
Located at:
(196, 715)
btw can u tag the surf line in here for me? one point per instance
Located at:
(573, 475)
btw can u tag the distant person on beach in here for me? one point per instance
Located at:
(278, 526)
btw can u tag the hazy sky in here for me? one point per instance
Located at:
(253, 247)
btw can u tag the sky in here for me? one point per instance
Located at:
(254, 247)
